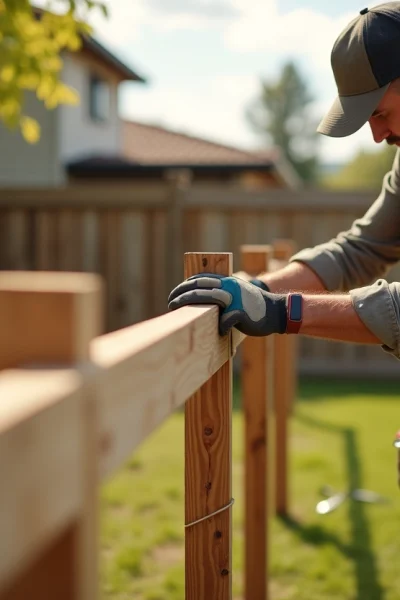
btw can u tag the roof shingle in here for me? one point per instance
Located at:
(151, 144)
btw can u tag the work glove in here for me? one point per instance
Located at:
(247, 277)
(243, 305)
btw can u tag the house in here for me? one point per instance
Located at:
(151, 151)
(91, 141)
(94, 126)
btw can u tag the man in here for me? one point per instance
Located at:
(366, 64)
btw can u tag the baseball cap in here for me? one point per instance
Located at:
(365, 59)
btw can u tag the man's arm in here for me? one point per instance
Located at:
(332, 316)
(295, 277)
(328, 316)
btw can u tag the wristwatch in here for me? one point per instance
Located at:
(294, 313)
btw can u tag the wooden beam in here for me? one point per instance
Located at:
(257, 397)
(184, 349)
(134, 195)
(51, 317)
(41, 452)
(229, 197)
(208, 469)
(47, 317)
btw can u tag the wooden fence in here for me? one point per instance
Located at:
(134, 236)
(76, 403)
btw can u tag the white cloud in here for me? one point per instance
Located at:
(218, 115)
(302, 32)
(202, 8)
(127, 19)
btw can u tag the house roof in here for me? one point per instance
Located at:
(125, 72)
(150, 150)
(151, 144)
(94, 47)
(145, 143)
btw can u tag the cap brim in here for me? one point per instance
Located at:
(349, 113)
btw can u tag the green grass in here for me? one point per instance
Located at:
(340, 434)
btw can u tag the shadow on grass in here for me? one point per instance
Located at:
(360, 548)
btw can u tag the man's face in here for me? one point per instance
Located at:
(385, 120)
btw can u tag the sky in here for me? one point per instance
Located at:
(204, 59)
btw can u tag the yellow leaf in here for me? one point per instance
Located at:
(28, 81)
(7, 73)
(67, 95)
(30, 129)
(46, 86)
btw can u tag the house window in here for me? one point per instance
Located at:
(99, 99)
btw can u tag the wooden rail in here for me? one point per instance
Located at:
(75, 404)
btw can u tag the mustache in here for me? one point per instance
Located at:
(393, 139)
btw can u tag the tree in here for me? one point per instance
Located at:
(280, 115)
(31, 42)
(364, 172)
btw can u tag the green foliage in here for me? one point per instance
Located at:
(31, 43)
(364, 172)
(280, 115)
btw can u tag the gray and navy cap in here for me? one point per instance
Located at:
(365, 59)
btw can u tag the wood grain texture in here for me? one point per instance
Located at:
(208, 469)
(50, 318)
(285, 377)
(183, 348)
(47, 317)
(258, 449)
(50, 575)
(41, 463)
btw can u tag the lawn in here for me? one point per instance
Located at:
(341, 434)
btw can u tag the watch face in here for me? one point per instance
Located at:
(295, 307)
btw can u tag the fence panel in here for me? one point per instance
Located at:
(134, 234)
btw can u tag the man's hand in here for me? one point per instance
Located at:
(250, 279)
(243, 305)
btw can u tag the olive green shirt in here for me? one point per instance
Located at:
(358, 259)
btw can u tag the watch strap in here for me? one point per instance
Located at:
(294, 307)
(260, 284)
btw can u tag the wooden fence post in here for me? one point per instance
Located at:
(257, 394)
(285, 378)
(50, 319)
(208, 468)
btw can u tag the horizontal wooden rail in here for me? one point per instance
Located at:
(224, 197)
(182, 348)
(49, 443)
(140, 196)
(40, 462)
(75, 404)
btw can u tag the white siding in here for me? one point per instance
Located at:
(23, 164)
(79, 135)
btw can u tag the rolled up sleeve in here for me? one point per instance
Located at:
(378, 307)
(358, 256)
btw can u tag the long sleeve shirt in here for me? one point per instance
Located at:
(357, 260)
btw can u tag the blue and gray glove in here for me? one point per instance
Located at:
(243, 305)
